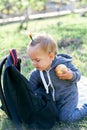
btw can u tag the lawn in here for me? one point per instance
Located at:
(66, 27)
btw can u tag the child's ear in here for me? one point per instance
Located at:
(51, 55)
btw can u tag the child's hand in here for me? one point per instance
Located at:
(63, 72)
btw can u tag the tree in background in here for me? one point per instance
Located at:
(21, 7)
(24, 8)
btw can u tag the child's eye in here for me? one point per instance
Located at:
(38, 60)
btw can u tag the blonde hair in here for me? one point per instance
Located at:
(46, 43)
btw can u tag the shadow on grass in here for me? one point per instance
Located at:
(7, 124)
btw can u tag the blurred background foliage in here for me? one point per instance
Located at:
(19, 6)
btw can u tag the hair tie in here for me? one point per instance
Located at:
(30, 35)
(32, 41)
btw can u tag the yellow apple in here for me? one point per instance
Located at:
(60, 69)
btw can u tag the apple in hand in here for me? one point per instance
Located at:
(60, 69)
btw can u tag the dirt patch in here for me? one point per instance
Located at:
(69, 42)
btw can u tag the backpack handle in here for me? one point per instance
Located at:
(14, 56)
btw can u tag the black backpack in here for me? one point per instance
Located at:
(19, 101)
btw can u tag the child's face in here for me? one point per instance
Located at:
(41, 60)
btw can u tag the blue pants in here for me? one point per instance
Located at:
(68, 110)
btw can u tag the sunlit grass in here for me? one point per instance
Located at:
(71, 26)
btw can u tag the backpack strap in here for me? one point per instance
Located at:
(2, 97)
(7, 106)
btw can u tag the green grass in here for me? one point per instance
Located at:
(72, 26)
